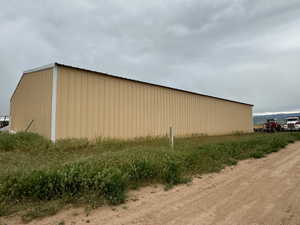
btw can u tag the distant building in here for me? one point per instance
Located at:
(60, 101)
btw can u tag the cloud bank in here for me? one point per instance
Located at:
(244, 50)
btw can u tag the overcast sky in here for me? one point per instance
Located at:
(242, 50)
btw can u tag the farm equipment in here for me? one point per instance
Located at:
(4, 121)
(292, 124)
(271, 126)
(258, 128)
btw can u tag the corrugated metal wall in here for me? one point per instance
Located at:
(32, 101)
(92, 105)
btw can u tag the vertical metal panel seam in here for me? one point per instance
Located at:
(53, 102)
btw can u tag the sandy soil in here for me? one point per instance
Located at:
(264, 191)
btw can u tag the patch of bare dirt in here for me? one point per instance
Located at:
(264, 191)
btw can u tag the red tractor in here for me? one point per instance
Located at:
(271, 126)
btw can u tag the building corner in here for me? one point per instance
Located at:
(55, 75)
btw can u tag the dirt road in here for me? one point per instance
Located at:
(264, 191)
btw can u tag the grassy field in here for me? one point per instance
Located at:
(43, 177)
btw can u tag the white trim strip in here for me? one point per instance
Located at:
(49, 66)
(53, 106)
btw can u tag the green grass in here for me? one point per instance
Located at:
(43, 177)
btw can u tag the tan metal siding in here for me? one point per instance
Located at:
(93, 105)
(32, 101)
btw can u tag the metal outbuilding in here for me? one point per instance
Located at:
(60, 101)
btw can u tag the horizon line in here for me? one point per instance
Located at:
(276, 113)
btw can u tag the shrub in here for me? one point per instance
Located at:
(172, 171)
(23, 141)
(7, 142)
(257, 155)
(140, 170)
(112, 185)
(72, 144)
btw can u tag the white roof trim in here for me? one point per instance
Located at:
(40, 68)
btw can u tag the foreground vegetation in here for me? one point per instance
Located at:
(38, 175)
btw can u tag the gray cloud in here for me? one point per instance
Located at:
(237, 49)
